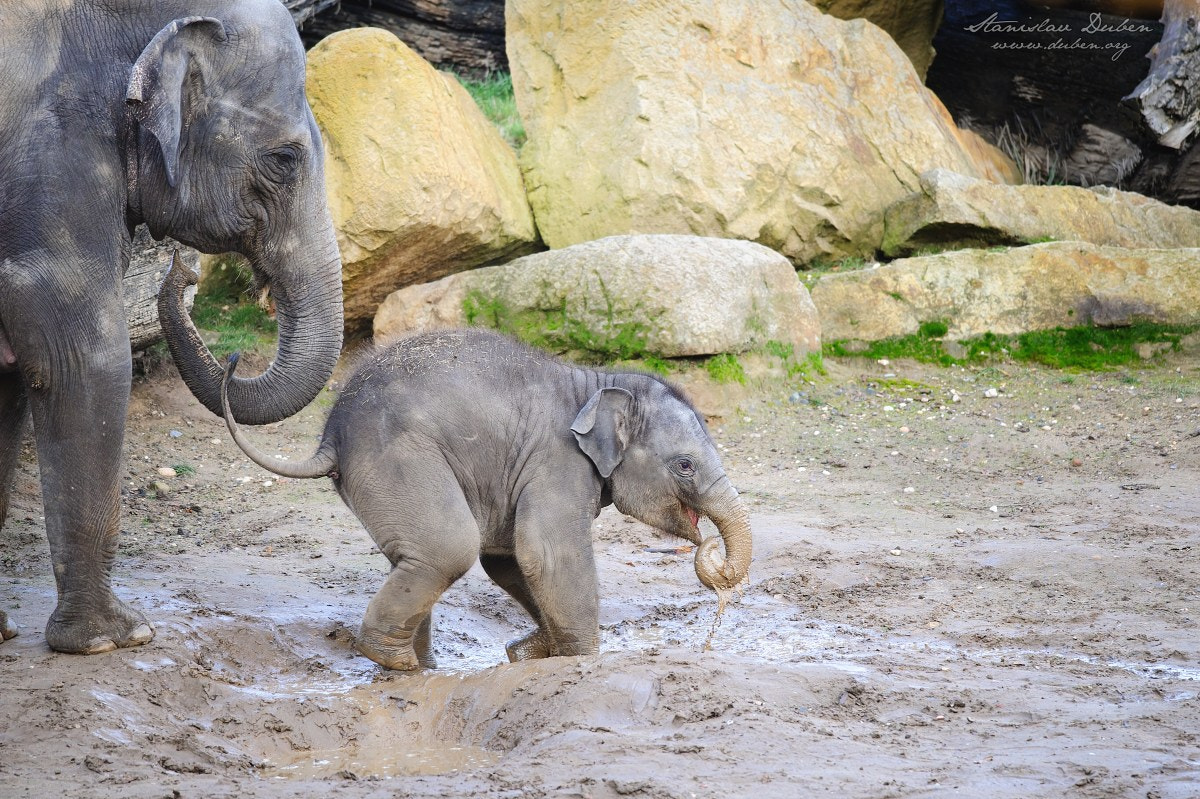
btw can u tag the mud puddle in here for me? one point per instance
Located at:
(925, 619)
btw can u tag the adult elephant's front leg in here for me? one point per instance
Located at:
(12, 424)
(76, 366)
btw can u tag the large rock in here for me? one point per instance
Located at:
(953, 210)
(911, 23)
(1006, 291)
(420, 184)
(665, 295)
(773, 123)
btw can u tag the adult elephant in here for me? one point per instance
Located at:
(190, 116)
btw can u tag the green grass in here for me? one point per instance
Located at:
(494, 96)
(786, 353)
(1095, 348)
(1074, 348)
(821, 266)
(725, 368)
(241, 326)
(226, 306)
(558, 331)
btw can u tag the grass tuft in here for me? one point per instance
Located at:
(556, 330)
(725, 368)
(494, 96)
(1076, 348)
(227, 307)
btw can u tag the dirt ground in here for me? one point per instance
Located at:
(966, 583)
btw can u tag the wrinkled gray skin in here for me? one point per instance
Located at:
(464, 445)
(190, 116)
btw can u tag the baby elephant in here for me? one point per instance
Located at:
(464, 444)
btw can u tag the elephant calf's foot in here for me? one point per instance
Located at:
(7, 628)
(79, 629)
(391, 653)
(535, 645)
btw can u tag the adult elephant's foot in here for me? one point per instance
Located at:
(78, 628)
(535, 645)
(7, 628)
(388, 651)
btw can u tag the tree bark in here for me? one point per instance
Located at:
(303, 10)
(1169, 97)
(1050, 93)
(462, 35)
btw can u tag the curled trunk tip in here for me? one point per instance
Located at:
(717, 571)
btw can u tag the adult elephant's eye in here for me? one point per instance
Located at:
(281, 163)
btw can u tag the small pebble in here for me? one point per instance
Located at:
(176, 434)
(909, 489)
(166, 471)
(991, 392)
(904, 429)
(894, 552)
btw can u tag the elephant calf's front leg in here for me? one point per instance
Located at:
(554, 553)
(505, 572)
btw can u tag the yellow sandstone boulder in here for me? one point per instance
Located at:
(774, 123)
(420, 184)
(911, 23)
(1011, 290)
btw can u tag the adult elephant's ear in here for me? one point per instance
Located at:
(602, 428)
(155, 92)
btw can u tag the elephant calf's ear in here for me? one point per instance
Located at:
(155, 91)
(602, 428)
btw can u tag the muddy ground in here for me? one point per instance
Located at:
(991, 596)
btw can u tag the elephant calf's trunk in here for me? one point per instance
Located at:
(726, 573)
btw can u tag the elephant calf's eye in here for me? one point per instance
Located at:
(685, 466)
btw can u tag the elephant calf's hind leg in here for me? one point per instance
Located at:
(432, 543)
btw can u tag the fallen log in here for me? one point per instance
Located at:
(1167, 99)
(462, 35)
(303, 10)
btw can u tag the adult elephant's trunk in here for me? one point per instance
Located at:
(308, 305)
(725, 508)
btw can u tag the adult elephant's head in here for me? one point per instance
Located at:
(225, 156)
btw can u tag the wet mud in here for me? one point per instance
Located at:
(990, 596)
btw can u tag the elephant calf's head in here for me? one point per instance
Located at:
(663, 469)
